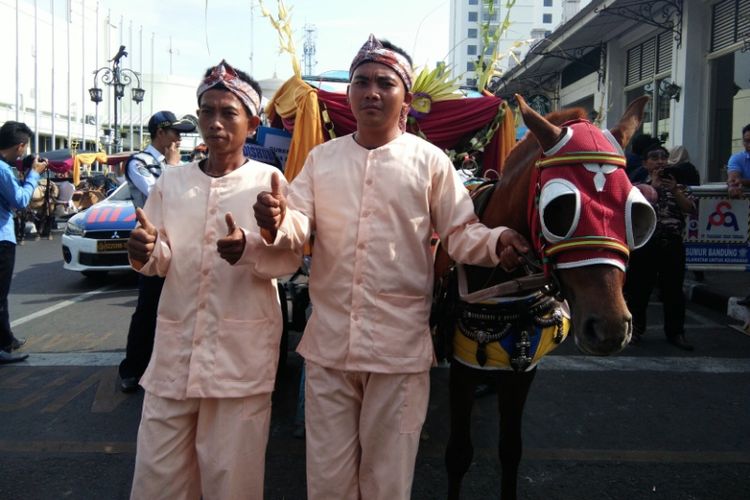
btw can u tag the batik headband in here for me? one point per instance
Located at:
(225, 76)
(373, 51)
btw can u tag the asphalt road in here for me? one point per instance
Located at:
(650, 423)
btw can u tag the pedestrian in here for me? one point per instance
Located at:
(372, 199)
(738, 167)
(661, 261)
(207, 404)
(14, 195)
(142, 171)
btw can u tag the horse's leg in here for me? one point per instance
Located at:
(512, 389)
(459, 452)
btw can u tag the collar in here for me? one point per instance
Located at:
(155, 153)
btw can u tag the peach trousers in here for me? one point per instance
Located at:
(209, 447)
(362, 432)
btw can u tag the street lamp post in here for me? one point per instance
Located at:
(118, 78)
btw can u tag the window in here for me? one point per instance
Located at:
(472, 33)
(473, 2)
(471, 82)
(471, 50)
(547, 18)
(473, 17)
(489, 17)
(470, 66)
(548, 3)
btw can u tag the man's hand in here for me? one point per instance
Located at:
(511, 247)
(734, 187)
(172, 155)
(230, 247)
(270, 209)
(142, 239)
(40, 165)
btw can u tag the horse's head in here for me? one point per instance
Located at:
(586, 219)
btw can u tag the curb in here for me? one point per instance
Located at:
(702, 295)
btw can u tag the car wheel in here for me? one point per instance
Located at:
(95, 275)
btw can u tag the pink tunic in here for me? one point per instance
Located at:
(373, 213)
(219, 325)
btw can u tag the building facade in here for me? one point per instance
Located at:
(55, 47)
(692, 57)
(529, 20)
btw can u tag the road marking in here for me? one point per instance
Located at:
(64, 303)
(671, 364)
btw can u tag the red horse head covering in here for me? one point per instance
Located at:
(373, 51)
(597, 230)
(224, 76)
(584, 210)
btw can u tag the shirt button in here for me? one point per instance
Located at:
(359, 281)
(205, 272)
(368, 182)
(212, 211)
(355, 317)
(361, 246)
(202, 305)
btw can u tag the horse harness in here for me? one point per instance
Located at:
(512, 313)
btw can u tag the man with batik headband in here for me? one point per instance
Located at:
(373, 199)
(207, 407)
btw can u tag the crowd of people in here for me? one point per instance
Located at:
(215, 233)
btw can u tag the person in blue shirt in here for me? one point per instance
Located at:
(738, 168)
(14, 137)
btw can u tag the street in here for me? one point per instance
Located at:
(653, 422)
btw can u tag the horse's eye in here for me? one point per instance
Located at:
(560, 209)
(640, 219)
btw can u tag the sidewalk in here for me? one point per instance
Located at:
(716, 288)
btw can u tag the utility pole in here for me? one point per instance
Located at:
(309, 49)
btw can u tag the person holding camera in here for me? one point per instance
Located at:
(662, 260)
(14, 138)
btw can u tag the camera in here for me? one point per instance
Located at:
(669, 172)
(28, 161)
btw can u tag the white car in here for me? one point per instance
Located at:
(94, 241)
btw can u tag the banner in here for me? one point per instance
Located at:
(716, 236)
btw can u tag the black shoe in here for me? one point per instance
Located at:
(129, 384)
(14, 345)
(17, 343)
(6, 357)
(679, 341)
(744, 302)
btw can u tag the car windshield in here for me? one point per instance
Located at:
(122, 193)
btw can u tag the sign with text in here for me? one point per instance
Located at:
(276, 139)
(716, 236)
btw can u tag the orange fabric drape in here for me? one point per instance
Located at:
(506, 136)
(298, 101)
(87, 159)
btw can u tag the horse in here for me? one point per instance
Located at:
(39, 211)
(564, 189)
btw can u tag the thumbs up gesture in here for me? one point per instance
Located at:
(270, 208)
(230, 247)
(142, 239)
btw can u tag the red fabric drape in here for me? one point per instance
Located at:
(446, 124)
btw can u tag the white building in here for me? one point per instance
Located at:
(691, 56)
(529, 20)
(55, 47)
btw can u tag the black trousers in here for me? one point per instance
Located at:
(7, 261)
(142, 328)
(660, 262)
